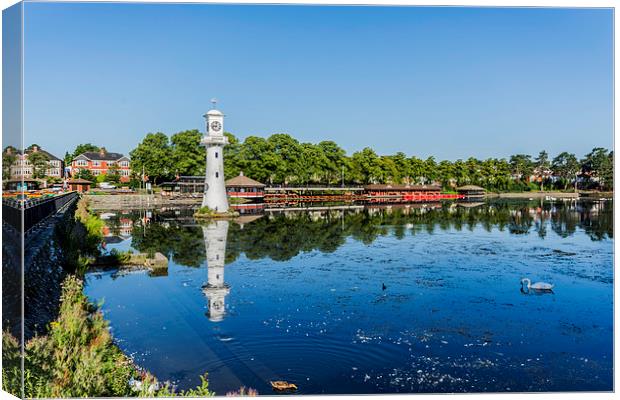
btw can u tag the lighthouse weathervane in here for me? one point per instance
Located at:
(214, 141)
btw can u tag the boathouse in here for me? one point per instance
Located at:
(403, 192)
(184, 184)
(471, 192)
(79, 185)
(239, 187)
(243, 187)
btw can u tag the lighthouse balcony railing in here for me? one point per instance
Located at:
(214, 140)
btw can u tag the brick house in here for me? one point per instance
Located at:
(100, 162)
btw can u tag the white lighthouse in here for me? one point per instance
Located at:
(214, 141)
(216, 289)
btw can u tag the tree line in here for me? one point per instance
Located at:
(281, 159)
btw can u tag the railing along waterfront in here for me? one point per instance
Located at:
(34, 211)
(312, 187)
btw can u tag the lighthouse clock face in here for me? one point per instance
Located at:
(216, 126)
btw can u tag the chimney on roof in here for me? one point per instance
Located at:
(102, 151)
(35, 149)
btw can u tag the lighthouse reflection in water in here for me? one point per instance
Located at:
(216, 289)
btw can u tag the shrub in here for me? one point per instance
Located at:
(201, 390)
(205, 210)
(77, 358)
(101, 178)
(11, 365)
(80, 239)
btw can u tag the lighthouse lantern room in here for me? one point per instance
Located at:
(214, 141)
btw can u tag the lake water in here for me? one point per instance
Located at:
(299, 296)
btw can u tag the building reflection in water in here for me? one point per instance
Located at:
(216, 289)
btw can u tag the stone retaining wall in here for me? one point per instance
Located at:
(535, 195)
(136, 201)
(42, 275)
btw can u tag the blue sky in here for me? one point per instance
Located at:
(448, 82)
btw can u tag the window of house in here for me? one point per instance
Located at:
(96, 163)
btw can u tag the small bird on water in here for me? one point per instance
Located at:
(383, 287)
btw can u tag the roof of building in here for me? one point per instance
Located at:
(30, 150)
(104, 156)
(47, 153)
(402, 187)
(470, 188)
(243, 181)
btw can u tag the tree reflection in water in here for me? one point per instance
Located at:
(283, 235)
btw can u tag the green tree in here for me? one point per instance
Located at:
(113, 174)
(541, 166)
(9, 156)
(336, 161)
(389, 170)
(446, 173)
(101, 178)
(429, 173)
(598, 165)
(566, 166)
(473, 174)
(232, 161)
(607, 172)
(32, 147)
(257, 160)
(153, 156)
(415, 170)
(521, 166)
(313, 163)
(85, 174)
(402, 166)
(39, 161)
(287, 153)
(188, 156)
(366, 166)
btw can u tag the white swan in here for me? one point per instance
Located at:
(537, 285)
